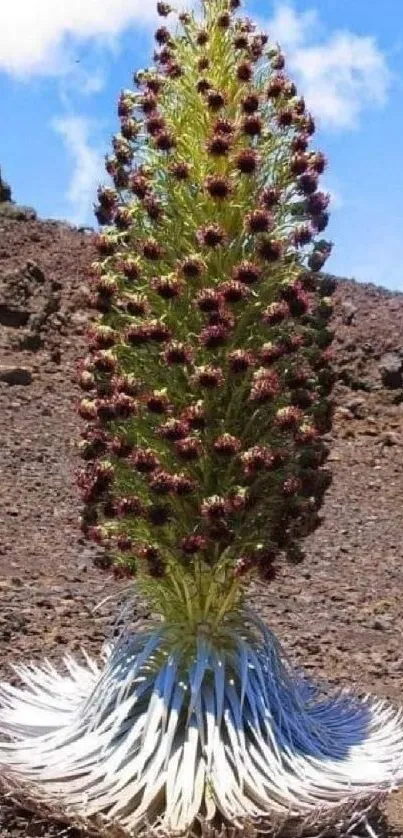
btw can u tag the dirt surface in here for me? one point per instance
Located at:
(339, 613)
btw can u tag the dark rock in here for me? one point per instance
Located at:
(15, 375)
(16, 212)
(391, 369)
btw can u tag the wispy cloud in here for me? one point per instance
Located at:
(39, 36)
(340, 73)
(87, 165)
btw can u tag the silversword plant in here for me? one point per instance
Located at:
(207, 400)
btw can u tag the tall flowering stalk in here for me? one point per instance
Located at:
(208, 380)
(207, 399)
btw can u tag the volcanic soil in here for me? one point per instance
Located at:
(339, 613)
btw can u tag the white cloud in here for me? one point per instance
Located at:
(38, 36)
(291, 29)
(87, 166)
(339, 76)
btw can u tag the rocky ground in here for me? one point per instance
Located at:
(339, 613)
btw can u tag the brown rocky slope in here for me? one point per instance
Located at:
(339, 613)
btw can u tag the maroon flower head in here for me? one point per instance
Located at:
(86, 381)
(275, 86)
(275, 313)
(158, 331)
(265, 386)
(173, 70)
(202, 37)
(244, 71)
(195, 416)
(318, 162)
(208, 376)
(219, 145)
(227, 445)
(177, 353)
(203, 64)
(148, 103)
(320, 221)
(161, 482)
(213, 337)
(152, 250)
(259, 221)
(124, 406)
(302, 235)
(164, 141)
(163, 9)
(247, 161)
(153, 208)
(127, 384)
(104, 244)
(240, 360)
(224, 126)
(157, 402)
(317, 203)
(215, 100)
(214, 508)
(291, 486)
(218, 187)
(278, 61)
(184, 485)
(145, 460)
(252, 126)
(173, 429)
(162, 35)
(155, 84)
(155, 123)
(208, 300)
(299, 163)
(180, 171)
(308, 182)
(167, 287)
(211, 235)
(189, 449)
(288, 417)
(270, 250)
(224, 20)
(139, 185)
(165, 55)
(285, 118)
(203, 85)
(250, 103)
(223, 317)
(104, 361)
(193, 544)
(233, 291)
(192, 267)
(247, 273)
(255, 459)
(241, 42)
(300, 143)
(129, 128)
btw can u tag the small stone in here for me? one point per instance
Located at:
(15, 376)
(357, 407)
(348, 312)
(389, 438)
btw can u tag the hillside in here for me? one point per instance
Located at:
(339, 613)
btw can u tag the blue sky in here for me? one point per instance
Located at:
(62, 66)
